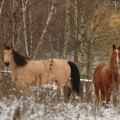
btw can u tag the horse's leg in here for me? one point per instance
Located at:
(115, 94)
(97, 95)
(107, 94)
(102, 97)
(67, 91)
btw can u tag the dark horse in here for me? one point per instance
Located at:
(26, 71)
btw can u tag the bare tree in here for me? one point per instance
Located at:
(67, 29)
(25, 27)
(45, 28)
(1, 6)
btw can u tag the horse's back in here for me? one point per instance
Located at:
(98, 76)
(57, 64)
(61, 67)
(58, 68)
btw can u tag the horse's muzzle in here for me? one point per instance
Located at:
(7, 63)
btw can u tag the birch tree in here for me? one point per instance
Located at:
(1, 6)
(76, 19)
(82, 34)
(45, 28)
(24, 27)
(13, 21)
(67, 29)
(87, 35)
(1, 31)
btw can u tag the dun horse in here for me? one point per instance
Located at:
(106, 77)
(26, 72)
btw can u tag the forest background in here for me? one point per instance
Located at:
(82, 31)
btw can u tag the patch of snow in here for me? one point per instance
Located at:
(30, 110)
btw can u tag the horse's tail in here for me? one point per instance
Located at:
(75, 77)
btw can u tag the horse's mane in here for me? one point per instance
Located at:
(19, 59)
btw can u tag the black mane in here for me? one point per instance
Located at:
(19, 59)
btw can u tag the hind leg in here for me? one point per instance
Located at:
(115, 94)
(65, 87)
(97, 96)
(67, 91)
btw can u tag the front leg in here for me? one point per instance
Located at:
(107, 94)
(115, 90)
(115, 94)
(107, 89)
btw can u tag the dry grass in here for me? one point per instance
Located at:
(49, 98)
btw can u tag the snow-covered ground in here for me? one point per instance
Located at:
(30, 110)
(43, 105)
(47, 103)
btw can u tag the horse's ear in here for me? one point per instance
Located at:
(11, 46)
(4, 46)
(119, 48)
(114, 46)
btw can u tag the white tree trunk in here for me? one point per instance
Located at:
(76, 33)
(31, 37)
(13, 23)
(24, 25)
(1, 6)
(67, 29)
(45, 28)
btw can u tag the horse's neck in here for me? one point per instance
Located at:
(110, 66)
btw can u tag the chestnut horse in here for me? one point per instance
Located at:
(26, 72)
(106, 77)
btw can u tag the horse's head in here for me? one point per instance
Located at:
(115, 57)
(8, 55)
